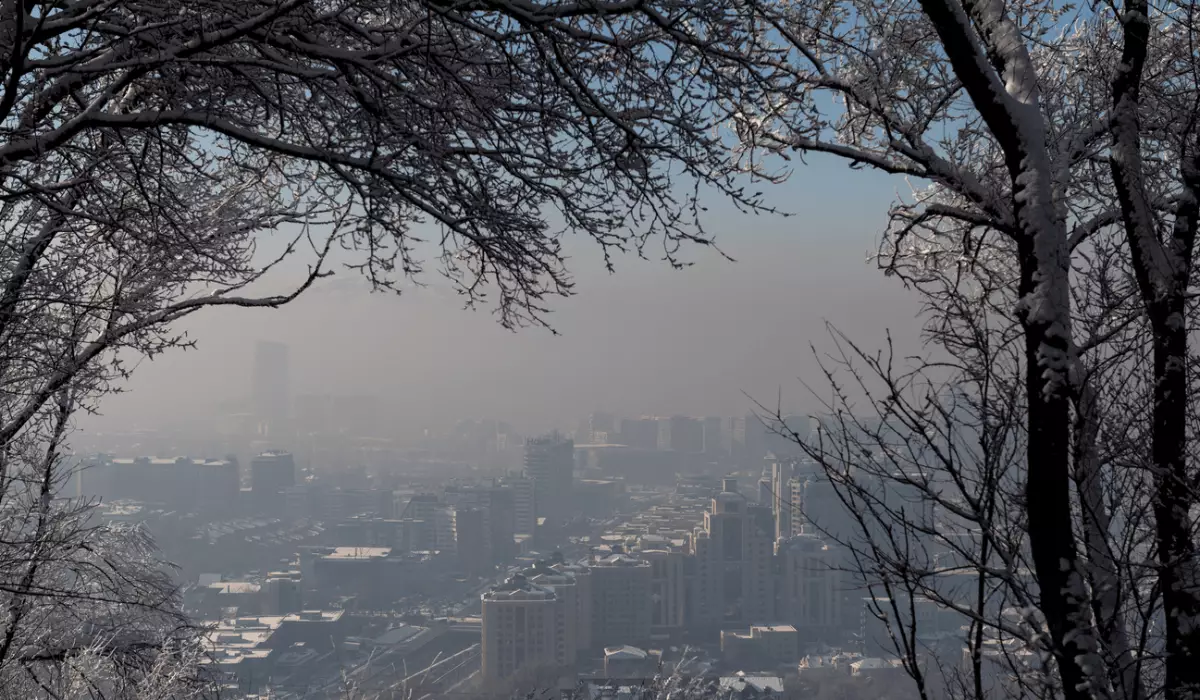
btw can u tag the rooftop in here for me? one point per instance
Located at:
(761, 684)
(314, 616)
(396, 635)
(359, 553)
(234, 587)
(625, 652)
(518, 588)
(172, 461)
(773, 628)
(618, 560)
(870, 664)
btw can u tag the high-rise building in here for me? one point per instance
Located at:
(822, 510)
(736, 428)
(598, 427)
(583, 603)
(783, 472)
(271, 387)
(668, 589)
(444, 539)
(766, 492)
(270, 474)
(281, 593)
(567, 620)
(754, 440)
(423, 512)
(734, 551)
(209, 485)
(639, 432)
(681, 434)
(471, 540)
(621, 604)
(550, 465)
(520, 629)
(810, 590)
(502, 523)
(524, 513)
(716, 435)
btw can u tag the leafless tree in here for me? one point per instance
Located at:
(158, 158)
(1059, 147)
(89, 610)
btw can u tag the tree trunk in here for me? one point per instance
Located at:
(1102, 569)
(1173, 499)
(1047, 488)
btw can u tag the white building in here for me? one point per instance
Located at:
(810, 590)
(520, 629)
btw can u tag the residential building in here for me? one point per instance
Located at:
(810, 588)
(432, 521)
(502, 523)
(519, 630)
(754, 439)
(471, 540)
(567, 620)
(599, 427)
(796, 489)
(183, 483)
(369, 574)
(621, 602)
(681, 434)
(641, 433)
(783, 472)
(281, 593)
(583, 604)
(743, 687)
(715, 434)
(524, 510)
(271, 473)
(822, 510)
(766, 492)
(734, 580)
(668, 589)
(550, 465)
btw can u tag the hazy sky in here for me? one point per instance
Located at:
(648, 339)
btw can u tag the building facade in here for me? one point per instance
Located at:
(271, 473)
(668, 589)
(583, 604)
(471, 540)
(519, 629)
(567, 619)
(734, 579)
(621, 601)
(810, 590)
(550, 465)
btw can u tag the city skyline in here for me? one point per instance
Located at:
(634, 350)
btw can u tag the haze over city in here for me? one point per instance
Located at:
(646, 339)
(599, 350)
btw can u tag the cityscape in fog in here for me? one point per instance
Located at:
(319, 545)
(402, 497)
(599, 350)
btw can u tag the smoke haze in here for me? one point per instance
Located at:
(648, 339)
